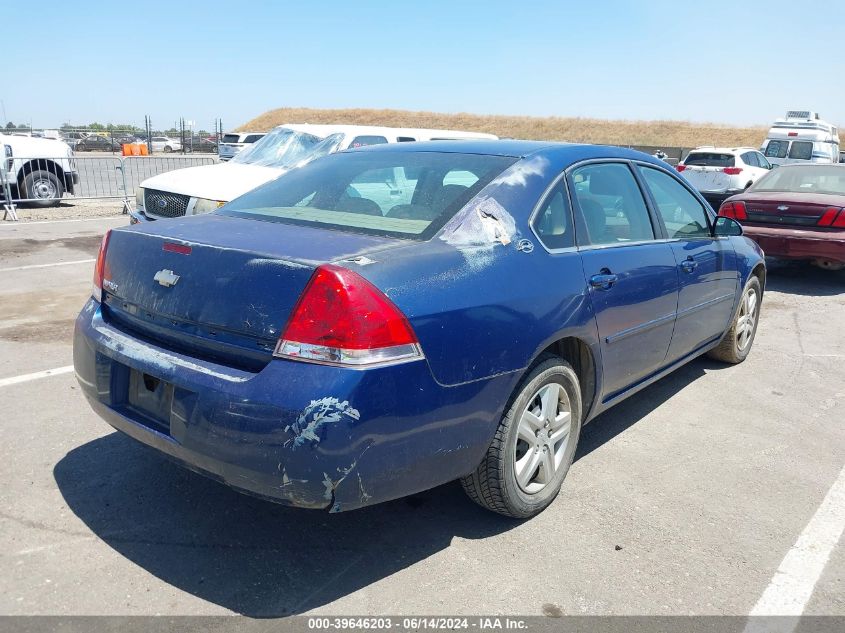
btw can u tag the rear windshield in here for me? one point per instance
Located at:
(709, 159)
(231, 138)
(804, 178)
(397, 194)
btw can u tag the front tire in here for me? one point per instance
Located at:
(167, 149)
(736, 344)
(534, 445)
(44, 186)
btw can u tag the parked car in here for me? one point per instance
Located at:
(200, 144)
(96, 143)
(234, 142)
(320, 344)
(200, 189)
(802, 136)
(796, 212)
(39, 170)
(720, 172)
(165, 144)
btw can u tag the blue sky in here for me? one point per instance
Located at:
(738, 62)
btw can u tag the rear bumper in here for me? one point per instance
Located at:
(798, 243)
(306, 435)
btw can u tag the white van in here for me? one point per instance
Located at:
(801, 137)
(201, 189)
(234, 142)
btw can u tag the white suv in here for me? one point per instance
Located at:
(234, 142)
(720, 172)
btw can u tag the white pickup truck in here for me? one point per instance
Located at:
(39, 170)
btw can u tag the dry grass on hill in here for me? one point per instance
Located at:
(654, 133)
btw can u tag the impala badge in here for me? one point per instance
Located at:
(783, 207)
(166, 278)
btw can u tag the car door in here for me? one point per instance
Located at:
(706, 265)
(631, 275)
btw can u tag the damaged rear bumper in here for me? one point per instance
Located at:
(306, 435)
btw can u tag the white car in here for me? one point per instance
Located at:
(201, 189)
(720, 172)
(39, 170)
(234, 142)
(165, 144)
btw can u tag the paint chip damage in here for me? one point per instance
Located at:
(315, 416)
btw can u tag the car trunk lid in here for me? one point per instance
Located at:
(216, 286)
(783, 209)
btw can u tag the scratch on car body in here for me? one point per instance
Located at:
(315, 416)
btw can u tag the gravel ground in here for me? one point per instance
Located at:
(71, 210)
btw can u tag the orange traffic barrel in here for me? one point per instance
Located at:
(145, 151)
(127, 149)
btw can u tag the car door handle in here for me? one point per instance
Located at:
(689, 265)
(604, 280)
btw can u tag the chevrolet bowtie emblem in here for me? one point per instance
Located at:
(166, 278)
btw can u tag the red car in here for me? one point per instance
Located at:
(795, 212)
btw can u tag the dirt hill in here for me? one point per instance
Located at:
(649, 133)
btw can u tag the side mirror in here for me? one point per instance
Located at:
(772, 165)
(727, 227)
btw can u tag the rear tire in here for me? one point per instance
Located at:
(43, 185)
(534, 445)
(736, 344)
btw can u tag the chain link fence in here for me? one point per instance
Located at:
(48, 181)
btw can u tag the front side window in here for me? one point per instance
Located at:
(750, 159)
(776, 149)
(399, 194)
(611, 205)
(683, 215)
(553, 223)
(801, 150)
(761, 160)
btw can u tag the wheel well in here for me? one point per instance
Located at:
(41, 164)
(760, 272)
(577, 353)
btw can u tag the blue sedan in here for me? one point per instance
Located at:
(385, 320)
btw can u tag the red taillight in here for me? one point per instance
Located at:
(342, 319)
(833, 217)
(732, 171)
(681, 167)
(100, 267)
(735, 210)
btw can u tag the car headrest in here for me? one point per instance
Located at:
(358, 205)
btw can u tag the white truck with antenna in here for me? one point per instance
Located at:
(801, 137)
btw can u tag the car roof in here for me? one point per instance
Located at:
(724, 150)
(563, 152)
(381, 130)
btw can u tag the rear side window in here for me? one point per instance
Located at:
(776, 149)
(399, 194)
(231, 138)
(363, 141)
(251, 138)
(553, 222)
(611, 205)
(750, 159)
(710, 159)
(405, 139)
(801, 150)
(683, 215)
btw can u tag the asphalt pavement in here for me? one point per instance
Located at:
(686, 499)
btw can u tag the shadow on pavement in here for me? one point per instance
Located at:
(630, 411)
(248, 555)
(802, 278)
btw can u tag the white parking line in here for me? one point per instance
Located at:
(15, 380)
(18, 225)
(77, 261)
(792, 585)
